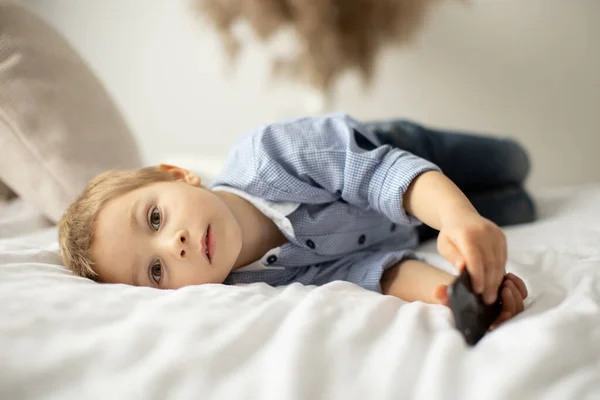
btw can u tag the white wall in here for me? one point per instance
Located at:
(528, 69)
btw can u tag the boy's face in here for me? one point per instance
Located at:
(158, 236)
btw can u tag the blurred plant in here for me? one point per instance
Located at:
(333, 35)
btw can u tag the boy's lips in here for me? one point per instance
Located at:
(205, 247)
(208, 244)
(211, 243)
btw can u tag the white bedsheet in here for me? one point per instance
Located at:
(65, 337)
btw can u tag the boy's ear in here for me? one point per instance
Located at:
(181, 174)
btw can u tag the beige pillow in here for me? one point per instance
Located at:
(58, 126)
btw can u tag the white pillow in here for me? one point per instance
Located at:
(58, 125)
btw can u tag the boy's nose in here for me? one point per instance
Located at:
(180, 244)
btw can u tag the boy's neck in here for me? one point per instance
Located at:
(259, 233)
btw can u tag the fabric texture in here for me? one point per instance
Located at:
(58, 125)
(64, 337)
(349, 188)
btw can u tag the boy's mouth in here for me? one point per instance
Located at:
(206, 245)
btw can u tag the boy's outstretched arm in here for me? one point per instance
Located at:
(466, 239)
(413, 280)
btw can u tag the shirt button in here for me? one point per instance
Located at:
(361, 239)
(393, 227)
(310, 244)
(271, 259)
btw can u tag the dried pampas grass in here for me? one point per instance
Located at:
(334, 35)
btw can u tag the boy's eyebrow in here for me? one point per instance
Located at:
(133, 213)
(134, 223)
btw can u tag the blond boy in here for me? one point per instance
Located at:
(312, 200)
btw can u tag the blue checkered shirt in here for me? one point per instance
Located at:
(338, 194)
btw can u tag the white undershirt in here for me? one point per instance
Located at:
(277, 211)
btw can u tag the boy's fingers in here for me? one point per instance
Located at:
(441, 294)
(504, 248)
(474, 261)
(508, 301)
(496, 271)
(519, 307)
(492, 277)
(501, 254)
(512, 300)
(516, 299)
(519, 284)
(501, 318)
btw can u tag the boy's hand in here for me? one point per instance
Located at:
(471, 241)
(513, 293)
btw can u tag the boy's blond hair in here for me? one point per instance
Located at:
(77, 225)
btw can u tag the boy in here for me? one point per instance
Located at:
(312, 200)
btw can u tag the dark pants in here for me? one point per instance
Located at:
(490, 171)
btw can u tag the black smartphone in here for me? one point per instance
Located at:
(472, 316)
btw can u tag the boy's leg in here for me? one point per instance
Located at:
(474, 163)
(490, 171)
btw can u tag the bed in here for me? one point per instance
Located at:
(64, 337)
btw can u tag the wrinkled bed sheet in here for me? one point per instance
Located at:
(64, 337)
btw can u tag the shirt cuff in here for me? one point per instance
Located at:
(391, 181)
(378, 264)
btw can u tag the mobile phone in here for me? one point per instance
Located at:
(472, 316)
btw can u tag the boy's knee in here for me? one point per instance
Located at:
(516, 160)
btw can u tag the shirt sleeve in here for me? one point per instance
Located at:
(321, 160)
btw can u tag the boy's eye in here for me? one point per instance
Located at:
(156, 272)
(154, 218)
